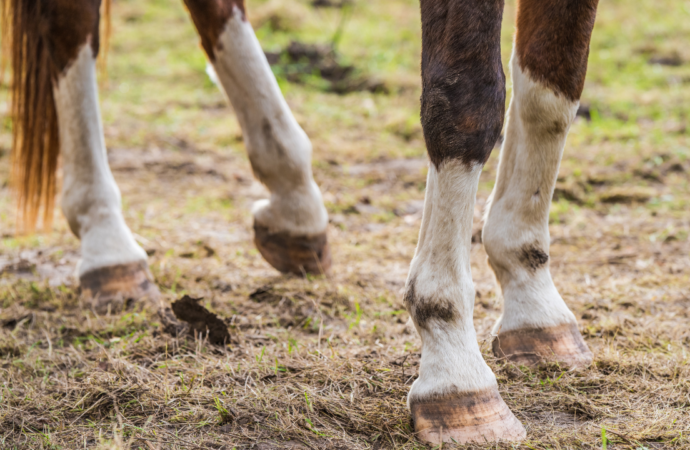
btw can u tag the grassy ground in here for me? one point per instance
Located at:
(327, 362)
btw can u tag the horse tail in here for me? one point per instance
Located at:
(36, 143)
(35, 146)
(105, 30)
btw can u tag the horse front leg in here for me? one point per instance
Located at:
(456, 397)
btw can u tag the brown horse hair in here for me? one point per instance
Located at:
(36, 143)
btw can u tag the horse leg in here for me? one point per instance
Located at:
(456, 396)
(290, 226)
(548, 69)
(113, 266)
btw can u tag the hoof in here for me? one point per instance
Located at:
(477, 417)
(563, 344)
(294, 254)
(114, 287)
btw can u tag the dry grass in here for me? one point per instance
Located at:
(327, 362)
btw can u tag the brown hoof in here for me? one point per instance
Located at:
(294, 254)
(476, 417)
(113, 287)
(563, 344)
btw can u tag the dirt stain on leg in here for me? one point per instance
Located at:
(533, 257)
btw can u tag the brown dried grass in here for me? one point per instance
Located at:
(322, 364)
(72, 379)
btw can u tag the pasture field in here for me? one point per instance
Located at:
(326, 362)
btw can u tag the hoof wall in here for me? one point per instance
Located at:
(294, 254)
(112, 288)
(472, 417)
(563, 344)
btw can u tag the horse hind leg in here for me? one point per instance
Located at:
(113, 267)
(290, 226)
(548, 69)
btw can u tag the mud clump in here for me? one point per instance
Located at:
(13, 322)
(331, 4)
(316, 64)
(201, 320)
(673, 60)
(627, 194)
(584, 111)
(265, 294)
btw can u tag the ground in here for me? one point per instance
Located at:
(326, 362)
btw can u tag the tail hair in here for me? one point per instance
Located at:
(36, 143)
(105, 30)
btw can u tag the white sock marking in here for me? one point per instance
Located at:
(278, 148)
(518, 215)
(451, 359)
(90, 197)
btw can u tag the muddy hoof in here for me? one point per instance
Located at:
(463, 418)
(294, 254)
(114, 287)
(563, 344)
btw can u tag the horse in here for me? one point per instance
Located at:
(53, 45)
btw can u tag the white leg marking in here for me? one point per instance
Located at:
(440, 292)
(279, 150)
(90, 197)
(516, 234)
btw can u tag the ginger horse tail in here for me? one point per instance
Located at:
(36, 143)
